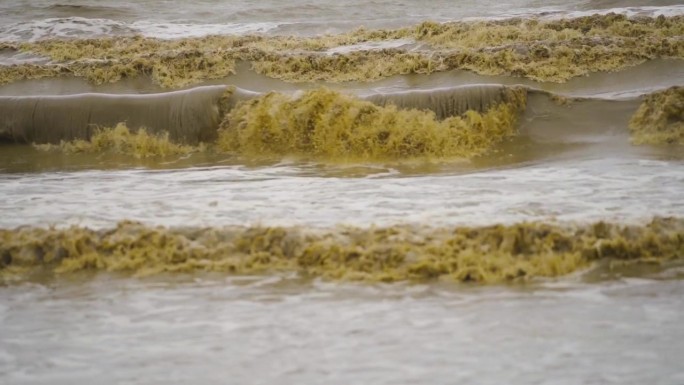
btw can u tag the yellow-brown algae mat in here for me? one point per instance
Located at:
(333, 126)
(490, 254)
(543, 50)
(660, 118)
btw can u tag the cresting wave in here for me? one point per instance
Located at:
(189, 116)
(543, 50)
(491, 254)
(458, 122)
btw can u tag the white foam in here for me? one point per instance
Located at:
(80, 27)
(70, 27)
(174, 31)
(555, 13)
(669, 11)
(611, 189)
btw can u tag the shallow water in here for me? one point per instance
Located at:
(275, 330)
(569, 164)
(613, 189)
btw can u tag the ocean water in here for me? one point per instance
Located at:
(26, 20)
(568, 165)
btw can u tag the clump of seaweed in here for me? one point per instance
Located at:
(12, 73)
(660, 118)
(544, 50)
(7, 46)
(327, 124)
(170, 63)
(555, 50)
(490, 254)
(120, 140)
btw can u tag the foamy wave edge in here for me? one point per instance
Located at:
(80, 27)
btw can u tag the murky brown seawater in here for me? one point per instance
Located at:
(274, 330)
(570, 163)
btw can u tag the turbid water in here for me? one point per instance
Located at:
(281, 331)
(367, 192)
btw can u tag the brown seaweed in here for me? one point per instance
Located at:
(490, 254)
(543, 50)
(660, 118)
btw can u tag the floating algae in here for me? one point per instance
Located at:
(30, 71)
(330, 125)
(555, 50)
(120, 140)
(551, 50)
(660, 118)
(489, 254)
(170, 63)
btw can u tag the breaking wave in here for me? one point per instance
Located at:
(452, 122)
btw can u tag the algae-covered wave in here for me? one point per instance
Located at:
(544, 50)
(329, 125)
(660, 118)
(491, 254)
(459, 122)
